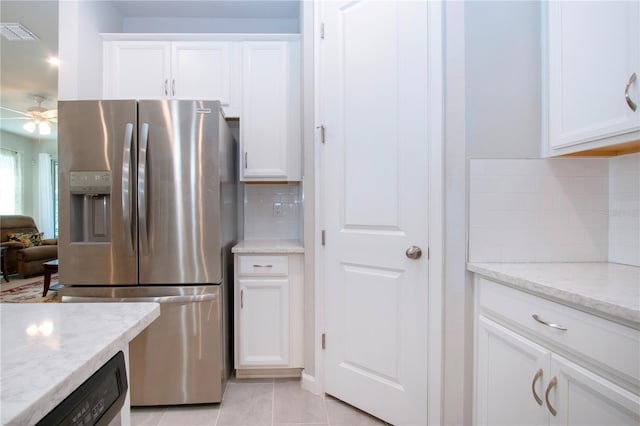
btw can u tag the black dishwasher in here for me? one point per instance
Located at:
(97, 401)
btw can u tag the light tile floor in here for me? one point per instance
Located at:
(279, 402)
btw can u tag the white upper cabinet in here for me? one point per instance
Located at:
(137, 69)
(173, 70)
(593, 54)
(270, 124)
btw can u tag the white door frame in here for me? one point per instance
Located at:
(435, 121)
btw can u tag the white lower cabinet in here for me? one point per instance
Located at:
(264, 322)
(584, 398)
(268, 315)
(510, 374)
(529, 373)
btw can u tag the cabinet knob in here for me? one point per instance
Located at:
(632, 105)
(166, 87)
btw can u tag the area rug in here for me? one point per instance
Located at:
(28, 291)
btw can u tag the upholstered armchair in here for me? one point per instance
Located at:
(25, 255)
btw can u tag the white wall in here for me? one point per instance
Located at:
(209, 25)
(503, 78)
(624, 209)
(80, 46)
(458, 318)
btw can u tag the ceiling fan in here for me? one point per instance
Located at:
(39, 117)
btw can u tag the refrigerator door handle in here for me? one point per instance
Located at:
(142, 190)
(126, 186)
(157, 299)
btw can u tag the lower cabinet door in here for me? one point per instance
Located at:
(511, 373)
(264, 322)
(580, 397)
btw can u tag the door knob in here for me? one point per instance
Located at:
(413, 252)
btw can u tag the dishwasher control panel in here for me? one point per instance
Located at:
(97, 401)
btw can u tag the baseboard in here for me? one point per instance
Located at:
(310, 384)
(267, 373)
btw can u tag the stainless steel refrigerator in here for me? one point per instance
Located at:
(148, 213)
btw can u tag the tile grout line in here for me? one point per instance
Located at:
(273, 402)
(324, 405)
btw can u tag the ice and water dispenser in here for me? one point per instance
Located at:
(90, 206)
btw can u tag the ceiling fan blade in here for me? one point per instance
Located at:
(52, 113)
(16, 111)
(15, 118)
(53, 120)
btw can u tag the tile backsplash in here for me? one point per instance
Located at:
(624, 209)
(555, 210)
(538, 210)
(272, 211)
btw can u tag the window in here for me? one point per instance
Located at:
(11, 178)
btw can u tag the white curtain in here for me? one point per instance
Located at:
(45, 197)
(11, 182)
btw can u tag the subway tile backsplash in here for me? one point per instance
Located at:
(539, 210)
(624, 209)
(272, 211)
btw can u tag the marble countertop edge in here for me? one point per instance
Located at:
(31, 413)
(268, 246)
(574, 296)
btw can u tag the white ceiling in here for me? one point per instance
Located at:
(23, 67)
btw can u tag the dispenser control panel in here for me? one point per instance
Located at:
(90, 182)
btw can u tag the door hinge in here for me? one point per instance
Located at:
(428, 253)
(321, 133)
(322, 30)
(322, 237)
(324, 341)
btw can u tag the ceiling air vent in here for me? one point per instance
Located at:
(16, 31)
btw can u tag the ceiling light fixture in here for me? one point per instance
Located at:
(30, 126)
(54, 61)
(44, 128)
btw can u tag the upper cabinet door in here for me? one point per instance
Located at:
(270, 128)
(137, 69)
(594, 50)
(201, 70)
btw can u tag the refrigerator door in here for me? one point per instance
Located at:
(96, 148)
(180, 358)
(179, 192)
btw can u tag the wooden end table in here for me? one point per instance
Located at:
(49, 268)
(3, 263)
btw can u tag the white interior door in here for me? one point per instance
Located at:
(374, 107)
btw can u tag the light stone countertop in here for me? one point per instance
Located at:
(610, 290)
(268, 246)
(49, 349)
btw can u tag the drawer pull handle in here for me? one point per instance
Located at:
(533, 386)
(549, 324)
(552, 384)
(263, 266)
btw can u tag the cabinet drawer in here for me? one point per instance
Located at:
(263, 265)
(611, 346)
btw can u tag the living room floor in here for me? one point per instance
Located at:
(258, 402)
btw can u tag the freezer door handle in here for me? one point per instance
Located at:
(126, 186)
(157, 299)
(142, 190)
